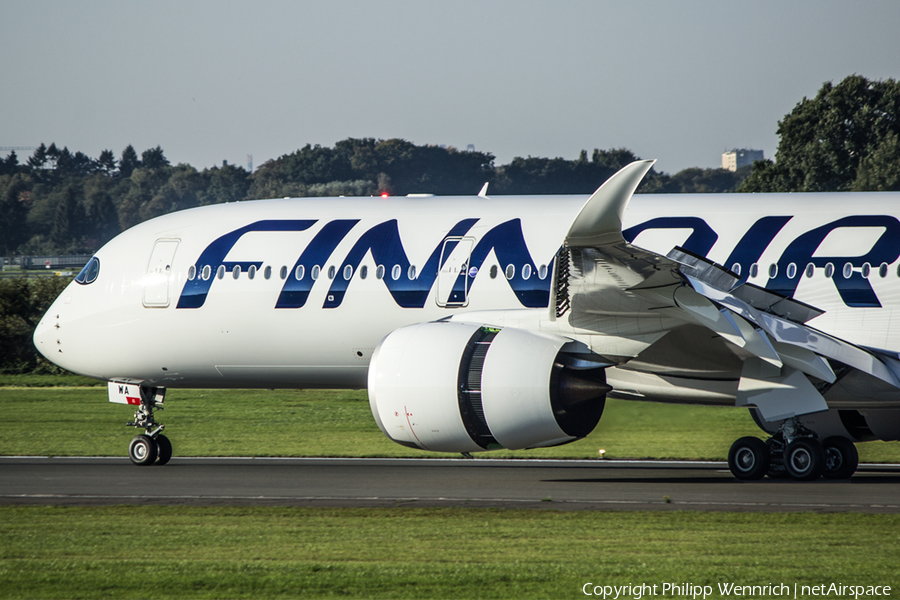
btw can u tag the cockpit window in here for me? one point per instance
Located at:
(90, 272)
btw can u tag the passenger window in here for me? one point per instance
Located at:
(192, 272)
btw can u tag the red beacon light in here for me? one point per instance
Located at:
(384, 194)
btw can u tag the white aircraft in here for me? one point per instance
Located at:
(479, 323)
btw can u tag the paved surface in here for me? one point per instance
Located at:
(563, 485)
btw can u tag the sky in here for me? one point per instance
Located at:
(678, 81)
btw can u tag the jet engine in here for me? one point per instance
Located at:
(460, 387)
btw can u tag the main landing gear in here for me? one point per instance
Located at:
(794, 451)
(151, 447)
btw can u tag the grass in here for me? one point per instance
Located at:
(49, 380)
(204, 552)
(268, 552)
(33, 421)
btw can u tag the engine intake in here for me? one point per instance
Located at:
(459, 387)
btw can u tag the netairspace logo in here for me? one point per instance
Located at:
(773, 590)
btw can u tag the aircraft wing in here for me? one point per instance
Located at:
(605, 284)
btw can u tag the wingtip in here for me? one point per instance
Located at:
(600, 219)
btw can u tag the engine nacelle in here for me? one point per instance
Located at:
(460, 387)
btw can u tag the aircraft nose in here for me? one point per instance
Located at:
(55, 338)
(46, 335)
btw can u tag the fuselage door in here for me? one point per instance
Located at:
(452, 282)
(156, 281)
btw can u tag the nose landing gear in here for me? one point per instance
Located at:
(145, 450)
(151, 447)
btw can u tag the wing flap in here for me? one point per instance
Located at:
(609, 283)
(781, 396)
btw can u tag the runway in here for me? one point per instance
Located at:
(560, 485)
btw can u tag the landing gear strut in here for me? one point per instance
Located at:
(151, 447)
(793, 451)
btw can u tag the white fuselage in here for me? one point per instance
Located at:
(150, 315)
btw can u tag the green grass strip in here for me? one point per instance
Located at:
(203, 552)
(48, 380)
(335, 423)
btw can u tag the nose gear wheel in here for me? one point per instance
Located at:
(150, 447)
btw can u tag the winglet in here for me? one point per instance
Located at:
(600, 219)
(483, 192)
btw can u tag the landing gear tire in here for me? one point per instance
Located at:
(804, 459)
(150, 447)
(165, 449)
(841, 458)
(143, 450)
(748, 458)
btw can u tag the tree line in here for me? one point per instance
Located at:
(845, 138)
(58, 201)
(23, 302)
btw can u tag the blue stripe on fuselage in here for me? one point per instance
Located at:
(384, 242)
(507, 242)
(195, 290)
(296, 291)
